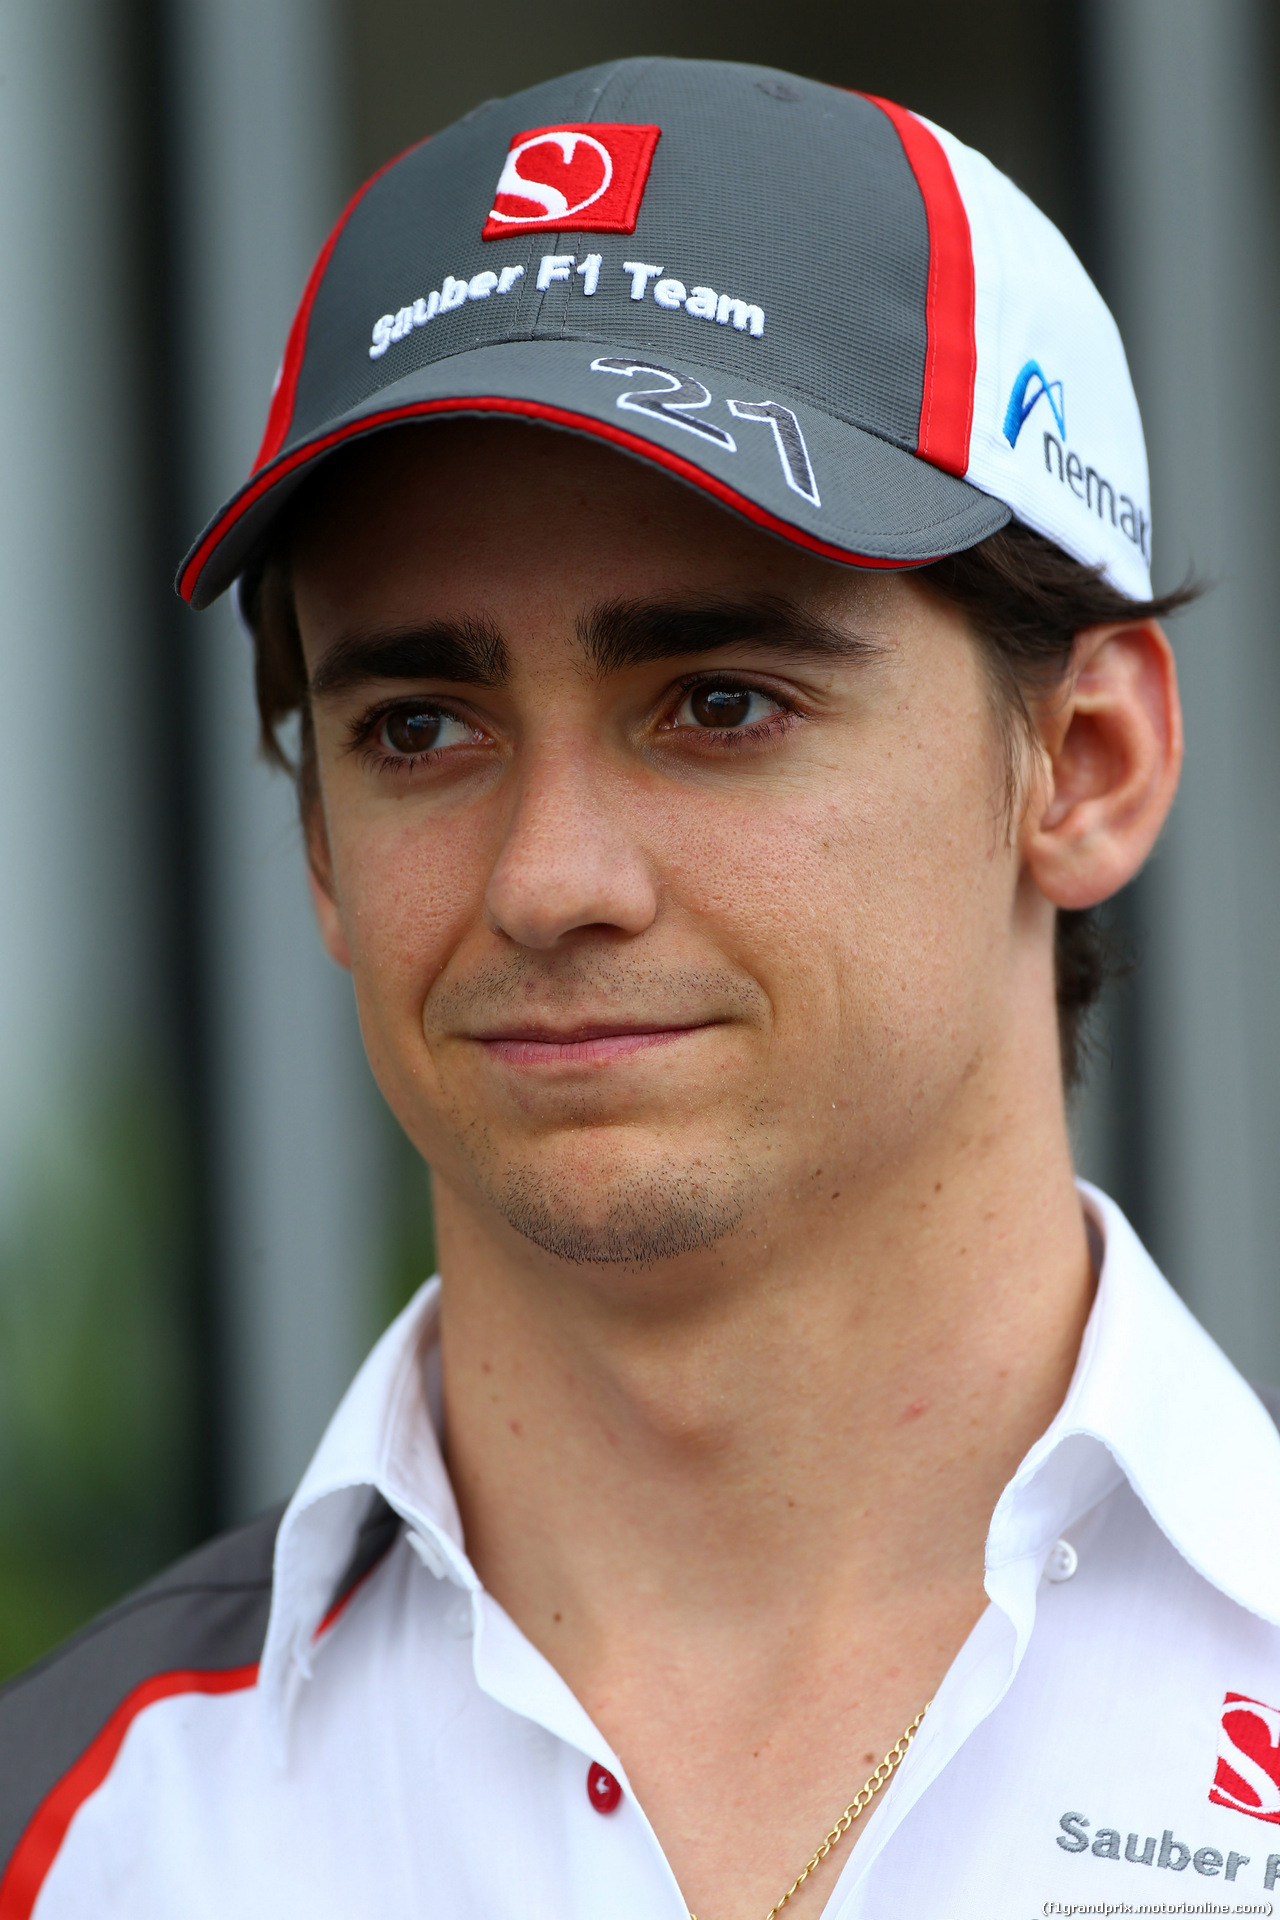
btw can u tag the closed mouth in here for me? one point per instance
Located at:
(532, 1044)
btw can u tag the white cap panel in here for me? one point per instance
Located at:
(1056, 430)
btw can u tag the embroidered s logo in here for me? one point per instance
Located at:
(1248, 1775)
(585, 179)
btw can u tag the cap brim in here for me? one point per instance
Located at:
(874, 504)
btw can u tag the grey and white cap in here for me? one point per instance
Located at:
(819, 309)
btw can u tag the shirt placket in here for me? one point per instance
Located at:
(618, 1870)
(1022, 1537)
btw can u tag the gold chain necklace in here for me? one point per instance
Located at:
(856, 1807)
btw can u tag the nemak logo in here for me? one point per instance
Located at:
(1082, 478)
(587, 179)
(1248, 1775)
(1029, 387)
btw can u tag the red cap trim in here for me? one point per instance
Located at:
(285, 391)
(951, 353)
(529, 410)
(38, 1848)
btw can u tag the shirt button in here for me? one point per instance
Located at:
(603, 1790)
(1062, 1562)
(457, 1619)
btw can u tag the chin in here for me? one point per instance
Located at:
(637, 1210)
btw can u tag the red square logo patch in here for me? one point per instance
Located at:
(586, 179)
(1248, 1776)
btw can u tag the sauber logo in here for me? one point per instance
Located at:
(1248, 1776)
(588, 179)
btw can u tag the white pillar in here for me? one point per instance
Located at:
(1187, 192)
(299, 1139)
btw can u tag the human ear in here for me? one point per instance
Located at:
(320, 880)
(1113, 751)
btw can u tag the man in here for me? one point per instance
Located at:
(711, 834)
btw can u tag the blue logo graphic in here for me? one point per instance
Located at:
(1029, 387)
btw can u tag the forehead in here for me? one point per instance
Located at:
(443, 519)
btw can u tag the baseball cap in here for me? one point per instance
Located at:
(812, 305)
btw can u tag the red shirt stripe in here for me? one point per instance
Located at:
(38, 1848)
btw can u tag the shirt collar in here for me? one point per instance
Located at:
(1152, 1400)
(382, 1440)
(1155, 1401)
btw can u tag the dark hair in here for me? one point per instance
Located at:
(1026, 601)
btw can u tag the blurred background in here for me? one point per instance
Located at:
(205, 1217)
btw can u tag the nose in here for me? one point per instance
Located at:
(571, 856)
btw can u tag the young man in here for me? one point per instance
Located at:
(702, 523)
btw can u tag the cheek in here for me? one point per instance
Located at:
(407, 895)
(871, 915)
(924, 897)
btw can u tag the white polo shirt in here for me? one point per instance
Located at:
(1109, 1732)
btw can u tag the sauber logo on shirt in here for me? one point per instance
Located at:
(1248, 1775)
(587, 179)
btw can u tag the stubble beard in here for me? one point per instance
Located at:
(648, 1218)
(631, 1216)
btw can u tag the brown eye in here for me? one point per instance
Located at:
(415, 730)
(725, 707)
(720, 706)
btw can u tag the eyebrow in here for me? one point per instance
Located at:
(630, 633)
(471, 652)
(614, 635)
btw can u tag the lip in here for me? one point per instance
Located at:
(586, 1045)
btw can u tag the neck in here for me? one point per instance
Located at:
(788, 1404)
(741, 1503)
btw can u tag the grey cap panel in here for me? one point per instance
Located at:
(875, 500)
(418, 223)
(747, 154)
(729, 202)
